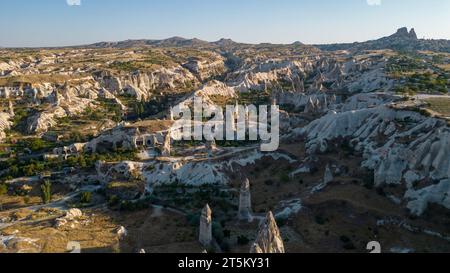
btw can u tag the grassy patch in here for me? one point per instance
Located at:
(439, 105)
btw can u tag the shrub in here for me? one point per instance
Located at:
(285, 178)
(242, 240)
(281, 221)
(46, 192)
(3, 189)
(227, 233)
(217, 232)
(193, 219)
(86, 197)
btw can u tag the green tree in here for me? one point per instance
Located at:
(86, 197)
(3, 189)
(82, 161)
(46, 192)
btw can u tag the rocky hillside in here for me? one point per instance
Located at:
(363, 155)
(402, 40)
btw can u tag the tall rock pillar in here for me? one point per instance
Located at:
(245, 202)
(269, 239)
(205, 235)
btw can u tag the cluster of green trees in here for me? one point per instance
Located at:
(33, 167)
(405, 63)
(425, 83)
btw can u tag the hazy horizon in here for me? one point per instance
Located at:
(59, 23)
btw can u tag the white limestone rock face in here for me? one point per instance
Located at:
(245, 203)
(121, 232)
(136, 92)
(70, 219)
(166, 149)
(176, 77)
(420, 199)
(321, 73)
(328, 176)
(205, 234)
(42, 122)
(67, 102)
(73, 214)
(5, 124)
(269, 239)
(400, 146)
(216, 88)
(206, 68)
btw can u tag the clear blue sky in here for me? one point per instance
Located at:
(55, 23)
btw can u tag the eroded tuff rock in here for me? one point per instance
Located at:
(400, 146)
(43, 121)
(206, 68)
(5, 124)
(70, 219)
(268, 239)
(319, 73)
(205, 234)
(144, 83)
(245, 203)
(121, 232)
(328, 176)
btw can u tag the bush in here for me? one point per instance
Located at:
(46, 192)
(281, 221)
(3, 189)
(348, 244)
(86, 197)
(225, 246)
(227, 233)
(242, 240)
(285, 178)
(193, 219)
(113, 200)
(217, 232)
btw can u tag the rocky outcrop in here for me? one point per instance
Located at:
(328, 176)
(216, 88)
(268, 239)
(121, 232)
(434, 194)
(245, 203)
(400, 146)
(143, 83)
(136, 92)
(42, 122)
(205, 233)
(402, 33)
(401, 40)
(71, 219)
(166, 149)
(68, 101)
(5, 124)
(206, 68)
(311, 75)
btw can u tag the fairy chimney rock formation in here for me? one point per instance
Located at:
(210, 147)
(171, 114)
(166, 149)
(328, 176)
(269, 239)
(205, 235)
(245, 203)
(11, 108)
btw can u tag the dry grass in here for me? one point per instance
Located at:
(446, 67)
(152, 125)
(439, 105)
(154, 231)
(35, 79)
